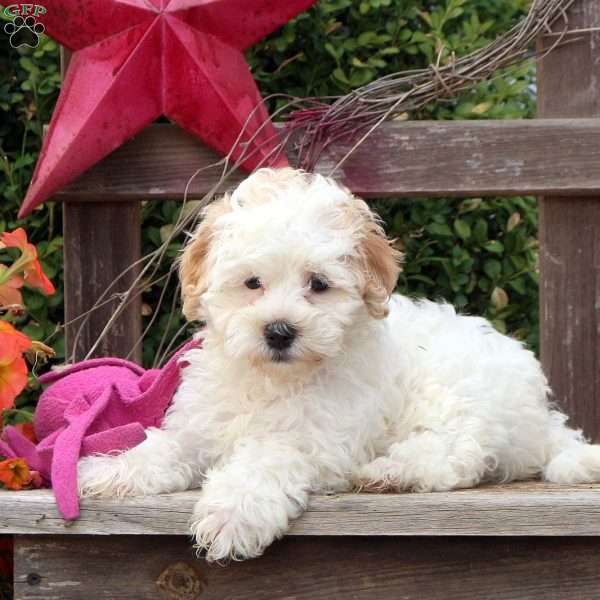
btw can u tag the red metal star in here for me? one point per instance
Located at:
(135, 60)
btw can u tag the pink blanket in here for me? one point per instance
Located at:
(96, 406)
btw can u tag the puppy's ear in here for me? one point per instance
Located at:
(193, 271)
(380, 263)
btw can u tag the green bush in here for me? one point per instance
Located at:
(478, 254)
(29, 84)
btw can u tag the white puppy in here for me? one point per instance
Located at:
(305, 383)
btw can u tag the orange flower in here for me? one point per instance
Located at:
(9, 290)
(18, 239)
(28, 262)
(15, 473)
(27, 431)
(34, 277)
(13, 379)
(12, 342)
(13, 369)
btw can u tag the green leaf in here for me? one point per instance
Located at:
(439, 229)
(340, 75)
(335, 53)
(462, 228)
(480, 231)
(494, 246)
(492, 268)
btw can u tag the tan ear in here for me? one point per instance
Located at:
(380, 263)
(193, 272)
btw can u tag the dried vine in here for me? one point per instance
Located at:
(358, 113)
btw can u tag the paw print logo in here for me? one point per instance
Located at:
(24, 32)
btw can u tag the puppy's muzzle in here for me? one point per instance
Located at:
(280, 335)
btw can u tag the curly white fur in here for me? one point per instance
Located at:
(422, 400)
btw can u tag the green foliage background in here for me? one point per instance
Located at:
(477, 254)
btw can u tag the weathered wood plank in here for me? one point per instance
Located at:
(438, 158)
(101, 241)
(570, 235)
(53, 568)
(533, 509)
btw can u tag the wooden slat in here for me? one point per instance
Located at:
(165, 568)
(570, 235)
(439, 158)
(101, 241)
(525, 509)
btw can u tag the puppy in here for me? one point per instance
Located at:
(314, 377)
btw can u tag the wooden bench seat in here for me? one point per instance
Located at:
(527, 508)
(523, 540)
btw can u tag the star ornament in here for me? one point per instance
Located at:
(135, 60)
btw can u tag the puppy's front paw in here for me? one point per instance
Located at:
(107, 476)
(227, 529)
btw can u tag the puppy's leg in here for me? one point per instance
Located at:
(155, 466)
(249, 501)
(426, 462)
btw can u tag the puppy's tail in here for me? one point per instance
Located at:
(572, 459)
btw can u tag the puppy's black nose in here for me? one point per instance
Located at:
(280, 335)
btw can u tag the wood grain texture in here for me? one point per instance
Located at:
(569, 83)
(438, 158)
(100, 241)
(533, 509)
(53, 568)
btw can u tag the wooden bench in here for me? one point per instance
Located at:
(528, 540)
(516, 541)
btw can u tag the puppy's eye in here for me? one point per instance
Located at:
(318, 283)
(252, 283)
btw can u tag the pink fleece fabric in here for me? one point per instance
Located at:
(96, 406)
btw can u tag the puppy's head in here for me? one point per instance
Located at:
(285, 268)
